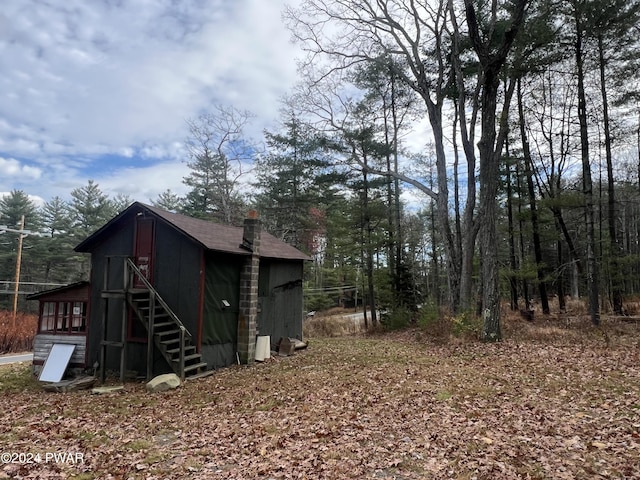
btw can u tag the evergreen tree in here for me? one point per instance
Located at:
(55, 249)
(16, 204)
(90, 210)
(219, 157)
(120, 203)
(13, 208)
(169, 201)
(56, 217)
(292, 178)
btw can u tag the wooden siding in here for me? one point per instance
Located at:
(43, 342)
(280, 299)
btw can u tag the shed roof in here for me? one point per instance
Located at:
(76, 290)
(212, 236)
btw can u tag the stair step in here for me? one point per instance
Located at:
(187, 348)
(206, 373)
(159, 314)
(138, 291)
(168, 333)
(195, 366)
(188, 362)
(187, 358)
(175, 355)
(156, 325)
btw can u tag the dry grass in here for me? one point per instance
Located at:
(19, 338)
(336, 322)
(572, 327)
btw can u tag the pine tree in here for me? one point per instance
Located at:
(13, 208)
(291, 180)
(90, 209)
(219, 158)
(169, 201)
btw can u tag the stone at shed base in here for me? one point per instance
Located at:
(164, 382)
(103, 390)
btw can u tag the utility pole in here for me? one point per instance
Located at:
(21, 235)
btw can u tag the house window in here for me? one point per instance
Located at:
(48, 321)
(64, 317)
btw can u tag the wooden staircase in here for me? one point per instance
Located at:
(165, 330)
(168, 335)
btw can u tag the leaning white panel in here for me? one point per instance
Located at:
(56, 362)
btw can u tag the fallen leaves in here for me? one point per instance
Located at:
(376, 407)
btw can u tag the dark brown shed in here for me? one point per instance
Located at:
(171, 292)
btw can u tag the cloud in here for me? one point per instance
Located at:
(10, 167)
(145, 183)
(86, 79)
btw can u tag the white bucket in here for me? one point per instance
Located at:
(263, 348)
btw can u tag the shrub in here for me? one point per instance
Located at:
(318, 301)
(19, 338)
(433, 322)
(429, 315)
(399, 317)
(466, 324)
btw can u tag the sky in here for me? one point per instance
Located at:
(102, 89)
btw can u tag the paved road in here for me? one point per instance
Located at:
(6, 359)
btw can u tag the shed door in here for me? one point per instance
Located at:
(143, 249)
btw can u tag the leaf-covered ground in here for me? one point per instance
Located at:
(382, 407)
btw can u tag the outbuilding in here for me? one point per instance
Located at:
(169, 292)
(62, 318)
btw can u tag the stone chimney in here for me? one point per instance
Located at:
(247, 316)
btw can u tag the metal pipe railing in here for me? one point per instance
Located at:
(134, 268)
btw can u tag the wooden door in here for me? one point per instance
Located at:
(144, 249)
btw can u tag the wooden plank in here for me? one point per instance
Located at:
(79, 383)
(42, 344)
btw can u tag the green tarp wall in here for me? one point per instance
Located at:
(220, 323)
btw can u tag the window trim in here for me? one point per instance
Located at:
(62, 319)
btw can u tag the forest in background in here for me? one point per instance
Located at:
(526, 187)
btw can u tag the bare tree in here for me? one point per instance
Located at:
(219, 156)
(414, 35)
(492, 42)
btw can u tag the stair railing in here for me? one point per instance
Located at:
(182, 335)
(133, 269)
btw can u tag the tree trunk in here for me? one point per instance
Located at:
(491, 59)
(528, 173)
(560, 286)
(616, 251)
(368, 247)
(453, 257)
(513, 282)
(593, 279)
(489, 173)
(525, 285)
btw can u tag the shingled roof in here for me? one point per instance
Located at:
(212, 236)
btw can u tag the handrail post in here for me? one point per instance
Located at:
(182, 331)
(125, 275)
(154, 297)
(150, 333)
